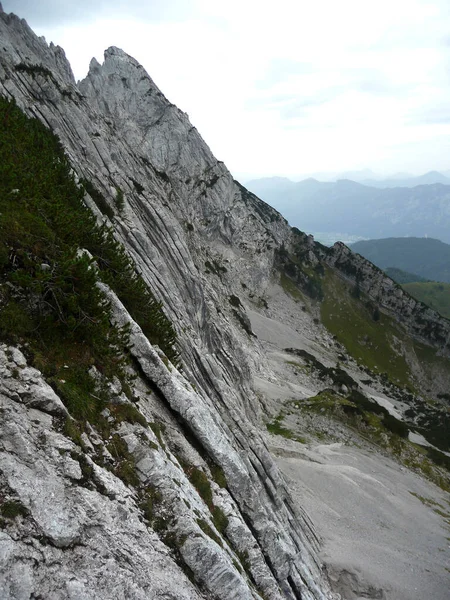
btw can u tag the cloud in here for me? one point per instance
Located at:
(281, 88)
(61, 12)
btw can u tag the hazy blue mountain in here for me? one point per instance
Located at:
(425, 257)
(409, 181)
(360, 210)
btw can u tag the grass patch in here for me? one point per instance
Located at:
(276, 428)
(377, 344)
(433, 294)
(201, 483)
(290, 288)
(220, 519)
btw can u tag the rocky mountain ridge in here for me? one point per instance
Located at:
(209, 250)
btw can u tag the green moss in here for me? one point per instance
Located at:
(150, 499)
(125, 465)
(220, 519)
(206, 528)
(78, 390)
(201, 483)
(127, 412)
(277, 429)
(126, 471)
(73, 430)
(237, 566)
(218, 475)
(244, 560)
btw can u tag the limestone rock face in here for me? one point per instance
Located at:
(194, 234)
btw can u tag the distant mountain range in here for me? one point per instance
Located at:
(370, 178)
(404, 180)
(427, 258)
(362, 210)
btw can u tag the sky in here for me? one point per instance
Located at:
(287, 87)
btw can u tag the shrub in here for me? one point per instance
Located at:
(48, 293)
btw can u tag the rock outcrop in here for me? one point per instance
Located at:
(191, 230)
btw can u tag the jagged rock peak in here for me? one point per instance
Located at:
(1, 8)
(45, 55)
(118, 62)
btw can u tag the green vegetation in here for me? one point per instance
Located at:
(201, 483)
(48, 294)
(375, 343)
(357, 407)
(427, 257)
(276, 428)
(245, 561)
(119, 200)
(206, 528)
(337, 375)
(218, 475)
(158, 429)
(98, 198)
(290, 288)
(427, 501)
(149, 501)
(375, 424)
(11, 509)
(436, 295)
(296, 271)
(402, 277)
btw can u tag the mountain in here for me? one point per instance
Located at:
(425, 257)
(197, 400)
(408, 181)
(360, 210)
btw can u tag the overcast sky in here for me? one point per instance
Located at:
(282, 87)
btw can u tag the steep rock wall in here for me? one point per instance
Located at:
(120, 133)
